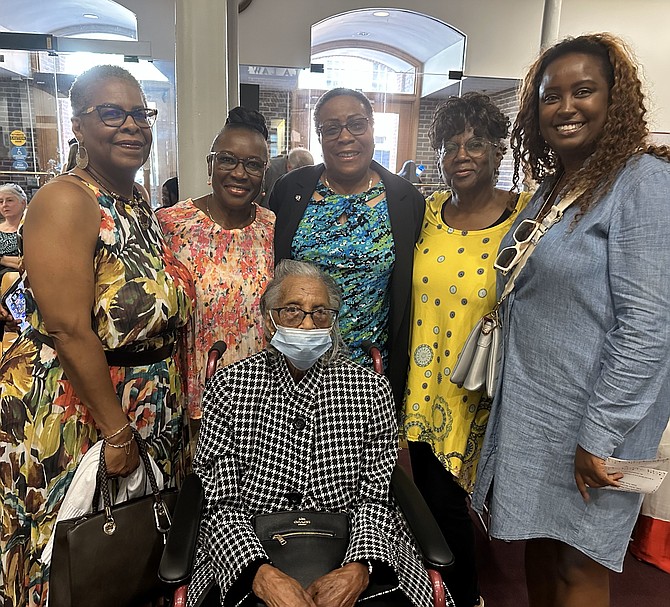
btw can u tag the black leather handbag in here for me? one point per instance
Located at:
(110, 558)
(302, 543)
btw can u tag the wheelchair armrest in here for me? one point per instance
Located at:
(436, 551)
(177, 561)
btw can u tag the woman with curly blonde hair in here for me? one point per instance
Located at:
(587, 330)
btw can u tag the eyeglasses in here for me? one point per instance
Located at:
(475, 148)
(113, 115)
(292, 316)
(224, 161)
(332, 130)
(523, 235)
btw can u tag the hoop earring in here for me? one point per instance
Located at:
(82, 156)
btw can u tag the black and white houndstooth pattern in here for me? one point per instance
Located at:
(331, 438)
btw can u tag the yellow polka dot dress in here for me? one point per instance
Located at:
(454, 284)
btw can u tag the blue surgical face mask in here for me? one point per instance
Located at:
(302, 347)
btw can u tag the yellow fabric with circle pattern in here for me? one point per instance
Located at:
(454, 284)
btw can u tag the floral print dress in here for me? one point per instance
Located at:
(142, 297)
(231, 269)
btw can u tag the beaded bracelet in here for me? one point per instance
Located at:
(125, 445)
(121, 429)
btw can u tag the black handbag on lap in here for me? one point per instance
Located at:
(110, 558)
(304, 544)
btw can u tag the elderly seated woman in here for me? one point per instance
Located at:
(301, 427)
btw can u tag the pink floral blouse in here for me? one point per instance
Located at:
(230, 269)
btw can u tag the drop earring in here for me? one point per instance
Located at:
(82, 156)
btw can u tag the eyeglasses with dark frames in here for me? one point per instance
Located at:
(332, 129)
(475, 147)
(113, 115)
(293, 316)
(224, 161)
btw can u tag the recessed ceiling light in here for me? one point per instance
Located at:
(90, 16)
(381, 14)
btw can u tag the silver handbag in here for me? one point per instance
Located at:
(478, 364)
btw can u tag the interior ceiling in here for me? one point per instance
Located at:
(66, 17)
(413, 34)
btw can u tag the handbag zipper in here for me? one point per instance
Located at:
(280, 537)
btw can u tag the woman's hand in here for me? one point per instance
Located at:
(341, 587)
(121, 461)
(590, 472)
(276, 589)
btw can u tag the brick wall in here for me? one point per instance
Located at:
(507, 101)
(425, 154)
(276, 105)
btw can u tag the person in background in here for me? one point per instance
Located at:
(586, 372)
(358, 222)
(226, 242)
(170, 192)
(105, 299)
(454, 285)
(296, 158)
(409, 172)
(13, 202)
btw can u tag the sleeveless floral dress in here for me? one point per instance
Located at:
(142, 298)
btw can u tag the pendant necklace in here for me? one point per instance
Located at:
(137, 202)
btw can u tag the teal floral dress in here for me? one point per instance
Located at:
(142, 298)
(352, 242)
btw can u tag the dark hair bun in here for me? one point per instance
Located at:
(241, 116)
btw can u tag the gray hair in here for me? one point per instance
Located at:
(299, 157)
(273, 294)
(86, 81)
(15, 189)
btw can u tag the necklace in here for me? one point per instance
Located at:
(137, 202)
(248, 221)
(325, 180)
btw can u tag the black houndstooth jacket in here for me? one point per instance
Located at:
(331, 438)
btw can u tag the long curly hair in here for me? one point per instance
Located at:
(624, 133)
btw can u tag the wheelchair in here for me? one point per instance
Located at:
(179, 553)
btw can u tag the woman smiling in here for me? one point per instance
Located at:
(586, 369)
(359, 223)
(225, 240)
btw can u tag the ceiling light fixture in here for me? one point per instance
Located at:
(381, 14)
(90, 16)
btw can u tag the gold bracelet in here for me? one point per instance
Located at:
(121, 429)
(125, 445)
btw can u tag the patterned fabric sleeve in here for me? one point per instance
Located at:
(226, 532)
(373, 517)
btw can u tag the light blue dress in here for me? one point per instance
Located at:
(587, 361)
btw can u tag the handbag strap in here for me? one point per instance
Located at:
(161, 513)
(552, 217)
